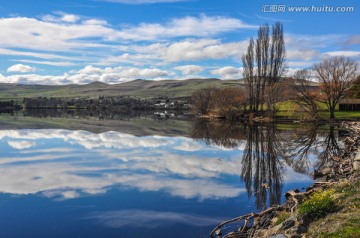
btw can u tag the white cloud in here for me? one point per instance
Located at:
(192, 50)
(228, 72)
(189, 69)
(21, 68)
(312, 41)
(45, 62)
(20, 145)
(90, 70)
(70, 18)
(34, 54)
(49, 34)
(342, 53)
(203, 26)
(60, 17)
(308, 47)
(300, 64)
(30, 33)
(95, 22)
(71, 38)
(302, 54)
(90, 74)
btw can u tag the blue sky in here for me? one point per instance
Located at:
(113, 41)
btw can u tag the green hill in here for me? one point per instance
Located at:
(137, 88)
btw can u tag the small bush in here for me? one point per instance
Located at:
(318, 204)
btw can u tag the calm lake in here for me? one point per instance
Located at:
(137, 175)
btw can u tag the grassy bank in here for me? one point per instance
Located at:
(342, 218)
(289, 109)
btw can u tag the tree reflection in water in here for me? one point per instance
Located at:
(321, 142)
(268, 150)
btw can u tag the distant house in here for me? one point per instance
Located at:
(349, 104)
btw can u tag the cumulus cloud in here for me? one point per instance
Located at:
(95, 22)
(189, 69)
(90, 74)
(70, 38)
(90, 70)
(228, 72)
(192, 50)
(60, 17)
(20, 68)
(20, 145)
(69, 18)
(50, 34)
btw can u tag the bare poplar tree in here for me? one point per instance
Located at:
(335, 76)
(248, 66)
(264, 65)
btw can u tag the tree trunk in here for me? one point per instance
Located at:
(332, 113)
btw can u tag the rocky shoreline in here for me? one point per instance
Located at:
(343, 168)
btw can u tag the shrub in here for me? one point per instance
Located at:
(318, 204)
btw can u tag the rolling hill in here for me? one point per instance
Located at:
(137, 88)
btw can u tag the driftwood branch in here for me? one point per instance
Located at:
(246, 217)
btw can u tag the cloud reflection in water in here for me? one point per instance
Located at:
(69, 164)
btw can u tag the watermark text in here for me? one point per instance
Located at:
(323, 8)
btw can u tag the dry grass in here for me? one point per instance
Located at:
(345, 222)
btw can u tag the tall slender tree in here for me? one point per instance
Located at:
(264, 64)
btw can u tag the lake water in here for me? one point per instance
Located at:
(146, 176)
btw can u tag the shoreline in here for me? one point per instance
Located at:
(344, 170)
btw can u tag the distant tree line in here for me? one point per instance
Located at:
(103, 103)
(9, 105)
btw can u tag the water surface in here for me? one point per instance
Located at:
(146, 176)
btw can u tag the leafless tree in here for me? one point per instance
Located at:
(263, 64)
(306, 97)
(228, 102)
(262, 168)
(201, 100)
(275, 93)
(248, 67)
(335, 76)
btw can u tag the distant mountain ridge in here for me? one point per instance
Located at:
(136, 88)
